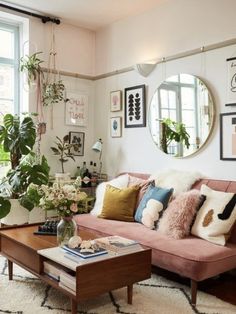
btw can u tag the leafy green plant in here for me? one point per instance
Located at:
(53, 92)
(173, 131)
(17, 137)
(31, 64)
(63, 150)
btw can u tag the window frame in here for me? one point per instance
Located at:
(13, 62)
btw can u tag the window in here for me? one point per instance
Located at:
(9, 69)
(9, 79)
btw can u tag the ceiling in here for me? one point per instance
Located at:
(91, 14)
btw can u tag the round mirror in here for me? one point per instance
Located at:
(181, 115)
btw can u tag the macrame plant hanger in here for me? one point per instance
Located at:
(53, 74)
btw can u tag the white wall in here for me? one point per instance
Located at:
(173, 27)
(75, 53)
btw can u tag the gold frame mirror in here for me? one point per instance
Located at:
(181, 115)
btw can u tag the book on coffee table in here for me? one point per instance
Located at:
(118, 244)
(78, 252)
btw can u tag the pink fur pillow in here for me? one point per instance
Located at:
(178, 217)
(143, 184)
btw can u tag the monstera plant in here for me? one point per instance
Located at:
(17, 137)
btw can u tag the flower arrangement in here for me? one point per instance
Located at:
(65, 199)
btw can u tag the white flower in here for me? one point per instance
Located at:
(55, 185)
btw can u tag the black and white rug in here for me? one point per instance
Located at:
(27, 294)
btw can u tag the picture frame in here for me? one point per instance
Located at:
(78, 139)
(115, 100)
(76, 109)
(135, 106)
(231, 81)
(116, 126)
(228, 136)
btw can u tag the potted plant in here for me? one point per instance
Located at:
(32, 66)
(18, 138)
(53, 92)
(173, 131)
(62, 149)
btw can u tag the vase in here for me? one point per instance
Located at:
(66, 229)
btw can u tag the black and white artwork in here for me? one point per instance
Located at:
(231, 84)
(135, 107)
(228, 136)
(77, 138)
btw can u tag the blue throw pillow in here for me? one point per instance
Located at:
(152, 205)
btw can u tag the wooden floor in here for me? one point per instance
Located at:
(223, 286)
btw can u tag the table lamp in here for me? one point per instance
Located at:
(97, 147)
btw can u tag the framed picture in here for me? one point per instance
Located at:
(135, 107)
(115, 100)
(77, 138)
(116, 127)
(231, 81)
(76, 109)
(228, 136)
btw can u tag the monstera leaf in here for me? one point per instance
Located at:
(5, 207)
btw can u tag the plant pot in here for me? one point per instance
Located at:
(18, 214)
(37, 214)
(62, 177)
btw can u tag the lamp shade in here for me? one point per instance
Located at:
(97, 146)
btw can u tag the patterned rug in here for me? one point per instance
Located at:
(27, 294)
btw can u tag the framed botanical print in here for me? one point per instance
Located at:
(77, 138)
(116, 127)
(228, 136)
(135, 107)
(116, 100)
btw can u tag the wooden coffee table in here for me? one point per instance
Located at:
(19, 245)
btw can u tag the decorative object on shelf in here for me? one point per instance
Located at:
(116, 126)
(18, 135)
(76, 109)
(77, 139)
(115, 100)
(185, 100)
(172, 131)
(135, 106)
(97, 147)
(65, 199)
(228, 136)
(63, 150)
(231, 84)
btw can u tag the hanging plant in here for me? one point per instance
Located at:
(31, 65)
(53, 93)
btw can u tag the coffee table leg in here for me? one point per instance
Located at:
(130, 293)
(74, 306)
(10, 269)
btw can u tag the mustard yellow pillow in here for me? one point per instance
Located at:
(119, 204)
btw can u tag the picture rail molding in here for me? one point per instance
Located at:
(177, 56)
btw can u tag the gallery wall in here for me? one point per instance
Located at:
(173, 27)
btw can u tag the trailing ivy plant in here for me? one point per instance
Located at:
(53, 93)
(173, 131)
(31, 65)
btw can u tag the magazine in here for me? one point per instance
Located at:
(77, 251)
(117, 244)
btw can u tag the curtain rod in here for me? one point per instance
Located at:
(43, 18)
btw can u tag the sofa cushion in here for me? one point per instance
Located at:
(119, 182)
(191, 257)
(152, 205)
(143, 184)
(119, 204)
(216, 217)
(180, 213)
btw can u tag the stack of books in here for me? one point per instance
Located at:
(118, 244)
(52, 270)
(68, 282)
(76, 252)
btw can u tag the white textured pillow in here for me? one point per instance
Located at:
(180, 181)
(216, 217)
(119, 182)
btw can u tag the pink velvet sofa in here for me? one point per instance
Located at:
(191, 257)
